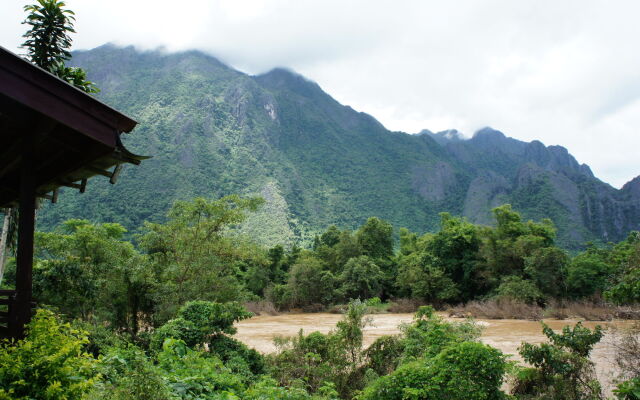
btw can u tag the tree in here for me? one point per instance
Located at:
(507, 245)
(361, 279)
(195, 258)
(7, 237)
(376, 238)
(588, 273)
(87, 270)
(48, 42)
(547, 267)
(310, 283)
(455, 251)
(626, 285)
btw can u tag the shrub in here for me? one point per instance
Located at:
(212, 318)
(520, 290)
(429, 334)
(269, 389)
(628, 390)
(384, 354)
(309, 283)
(454, 374)
(129, 374)
(177, 328)
(307, 359)
(316, 359)
(236, 356)
(469, 371)
(199, 320)
(194, 375)
(561, 369)
(49, 363)
(279, 295)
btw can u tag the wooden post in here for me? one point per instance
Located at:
(26, 225)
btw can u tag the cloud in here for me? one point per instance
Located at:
(565, 72)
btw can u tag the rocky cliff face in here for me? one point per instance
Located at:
(544, 182)
(214, 131)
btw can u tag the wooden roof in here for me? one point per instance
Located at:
(77, 136)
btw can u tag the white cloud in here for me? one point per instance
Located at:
(565, 72)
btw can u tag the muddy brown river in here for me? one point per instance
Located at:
(506, 335)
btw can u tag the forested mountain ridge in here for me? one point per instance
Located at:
(215, 131)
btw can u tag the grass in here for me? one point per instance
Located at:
(497, 309)
(511, 309)
(261, 307)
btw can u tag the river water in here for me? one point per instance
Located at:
(505, 334)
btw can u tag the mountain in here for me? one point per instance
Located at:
(213, 131)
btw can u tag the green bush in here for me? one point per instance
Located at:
(628, 390)
(522, 290)
(561, 369)
(465, 371)
(198, 321)
(469, 371)
(177, 328)
(236, 356)
(194, 375)
(429, 334)
(212, 318)
(384, 354)
(129, 374)
(279, 295)
(49, 363)
(317, 359)
(268, 389)
(309, 283)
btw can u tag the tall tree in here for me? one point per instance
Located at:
(194, 256)
(48, 42)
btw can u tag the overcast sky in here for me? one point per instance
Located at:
(563, 72)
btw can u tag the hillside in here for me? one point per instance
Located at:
(213, 131)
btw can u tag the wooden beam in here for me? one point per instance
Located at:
(98, 171)
(71, 185)
(115, 174)
(122, 157)
(82, 186)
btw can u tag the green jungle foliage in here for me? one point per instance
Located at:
(95, 273)
(214, 131)
(152, 317)
(48, 42)
(560, 369)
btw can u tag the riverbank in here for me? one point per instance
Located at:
(504, 334)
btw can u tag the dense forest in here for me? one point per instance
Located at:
(215, 131)
(152, 317)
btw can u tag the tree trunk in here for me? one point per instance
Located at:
(4, 246)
